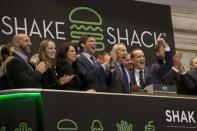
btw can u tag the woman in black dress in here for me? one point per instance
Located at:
(66, 58)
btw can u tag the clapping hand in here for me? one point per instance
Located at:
(65, 79)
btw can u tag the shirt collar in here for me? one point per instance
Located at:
(23, 56)
(86, 55)
(138, 71)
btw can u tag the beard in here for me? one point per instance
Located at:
(25, 49)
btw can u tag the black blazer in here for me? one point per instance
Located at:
(174, 78)
(116, 81)
(159, 69)
(92, 77)
(67, 69)
(49, 79)
(21, 75)
(190, 81)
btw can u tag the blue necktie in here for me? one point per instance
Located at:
(125, 78)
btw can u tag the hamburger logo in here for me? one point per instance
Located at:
(86, 21)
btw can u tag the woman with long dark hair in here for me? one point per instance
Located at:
(66, 58)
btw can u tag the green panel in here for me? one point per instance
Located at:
(19, 96)
(21, 111)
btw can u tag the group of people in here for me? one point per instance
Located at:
(117, 71)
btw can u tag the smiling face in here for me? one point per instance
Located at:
(22, 43)
(89, 46)
(193, 63)
(121, 53)
(138, 59)
(71, 54)
(50, 50)
(129, 63)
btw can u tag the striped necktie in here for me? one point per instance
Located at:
(141, 78)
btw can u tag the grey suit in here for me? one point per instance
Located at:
(116, 81)
(92, 77)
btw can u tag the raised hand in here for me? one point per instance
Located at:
(162, 42)
(42, 67)
(177, 61)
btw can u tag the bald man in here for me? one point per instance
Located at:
(19, 72)
(120, 80)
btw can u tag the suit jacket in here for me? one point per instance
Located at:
(159, 69)
(190, 81)
(116, 81)
(92, 77)
(147, 75)
(21, 75)
(174, 78)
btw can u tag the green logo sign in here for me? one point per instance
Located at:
(96, 126)
(23, 127)
(149, 127)
(67, 125)
(83, 26)
(124, 126)
(2, 128)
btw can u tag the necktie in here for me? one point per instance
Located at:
(125, 78)
(141, 78)
(93, 60)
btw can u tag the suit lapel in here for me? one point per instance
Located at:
(133, 77)
(86, 61)
(119, 74)
(29, 67)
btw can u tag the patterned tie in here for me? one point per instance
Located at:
(125, 78)
(93, 60)
(141, 78)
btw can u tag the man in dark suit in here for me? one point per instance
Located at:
(141, 74)
(144, 76)
(19, 72)
(190, 78)
(164, 61)
(190, 81)
(93, 74)
(175, 75)
(120, 81)
(185, 82)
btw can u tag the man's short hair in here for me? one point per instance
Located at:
(115, 47)
(83, 40)
(191, 61)
(132, 55)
